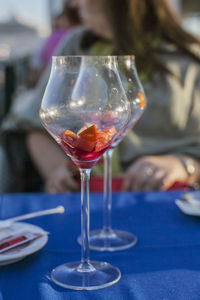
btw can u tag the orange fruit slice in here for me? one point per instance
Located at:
(90, 132)
(104, 136)
(82, 129)
(87, 139)
(69, 137)
(86, 144)
(142, 100)
(110, 131)
(102, 141)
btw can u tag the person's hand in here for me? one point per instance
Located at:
(154, 173)
(61, 181)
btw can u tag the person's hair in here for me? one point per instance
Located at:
(72, 13)
(139, 27)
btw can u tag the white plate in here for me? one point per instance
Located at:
(21, 253)
(188, 208)
(192, 197)
(11, 261)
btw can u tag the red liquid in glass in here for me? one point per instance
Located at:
(83, 159)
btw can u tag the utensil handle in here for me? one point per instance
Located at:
(60, 209)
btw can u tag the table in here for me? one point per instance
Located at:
(164, 265)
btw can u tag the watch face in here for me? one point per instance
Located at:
(190, 168)
(188, 164)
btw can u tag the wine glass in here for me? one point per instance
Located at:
(108, 239)
(85, 108)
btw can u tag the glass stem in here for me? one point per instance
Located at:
(85, 265)
(107, 190)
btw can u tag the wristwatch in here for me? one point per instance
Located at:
(188, 164)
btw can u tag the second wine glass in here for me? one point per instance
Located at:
(108, 239)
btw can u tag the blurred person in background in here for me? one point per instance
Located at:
(61, 26)
(164, 146)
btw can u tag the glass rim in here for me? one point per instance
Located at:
(59, 58)
(85, 55)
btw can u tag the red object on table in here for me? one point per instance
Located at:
(179, 186)
(96, 184)
(12, 241)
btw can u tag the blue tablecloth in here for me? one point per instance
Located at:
(164, 265)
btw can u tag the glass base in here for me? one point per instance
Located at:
(74, 276)
(114, 240)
